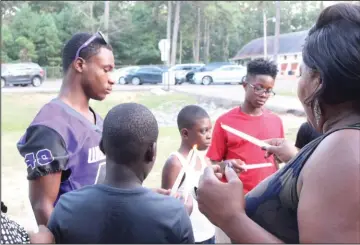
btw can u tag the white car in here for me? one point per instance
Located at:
(120, 74)
(182, 70)
(223, 74)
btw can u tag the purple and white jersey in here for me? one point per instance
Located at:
(61, 139)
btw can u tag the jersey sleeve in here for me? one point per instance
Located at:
(44, 151)
(217, 149)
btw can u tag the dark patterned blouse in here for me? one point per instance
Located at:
(12, 232)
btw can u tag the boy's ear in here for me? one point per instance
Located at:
(245, 86)
(243, 80)
(150, 154)
(244, 83)
(184, 133)
(79, 65)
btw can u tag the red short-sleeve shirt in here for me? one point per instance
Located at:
(226, 146)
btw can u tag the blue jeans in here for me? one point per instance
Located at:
(209, 241)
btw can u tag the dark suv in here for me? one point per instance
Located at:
(22, 74)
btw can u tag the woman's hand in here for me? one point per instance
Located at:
(44, 235)
(219, 201)
(236, 164)
(281, 148)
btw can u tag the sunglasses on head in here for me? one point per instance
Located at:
(97, 35)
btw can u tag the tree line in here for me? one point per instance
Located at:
(201, 31)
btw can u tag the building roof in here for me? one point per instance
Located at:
(288, 43)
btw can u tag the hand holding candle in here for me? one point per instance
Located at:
(236, 164)
(211, 191)
(239, 166)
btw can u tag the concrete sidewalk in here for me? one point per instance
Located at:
(233, 96)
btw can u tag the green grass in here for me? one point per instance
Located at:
(19, 109)
(169, 141)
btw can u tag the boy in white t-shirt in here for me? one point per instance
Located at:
(195, 128)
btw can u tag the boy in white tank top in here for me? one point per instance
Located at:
(195, 128)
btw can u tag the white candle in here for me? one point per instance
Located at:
(244, 136)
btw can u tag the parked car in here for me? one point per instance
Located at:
(224, 74)
(209, 67)
(162, 67)
(147, 74)
(182, 70)
(22, 74)
(120, 74)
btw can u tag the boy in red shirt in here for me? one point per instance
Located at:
(253, 119)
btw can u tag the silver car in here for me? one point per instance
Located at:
(22, 74)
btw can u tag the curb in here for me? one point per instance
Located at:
(231, 103)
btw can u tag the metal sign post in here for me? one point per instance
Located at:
(164, 47)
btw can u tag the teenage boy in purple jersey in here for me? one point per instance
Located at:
(61, 145)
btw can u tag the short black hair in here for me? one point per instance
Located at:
(72, 46)
(261, 67)
(129, 130)
(188, 116)
(332, 49)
